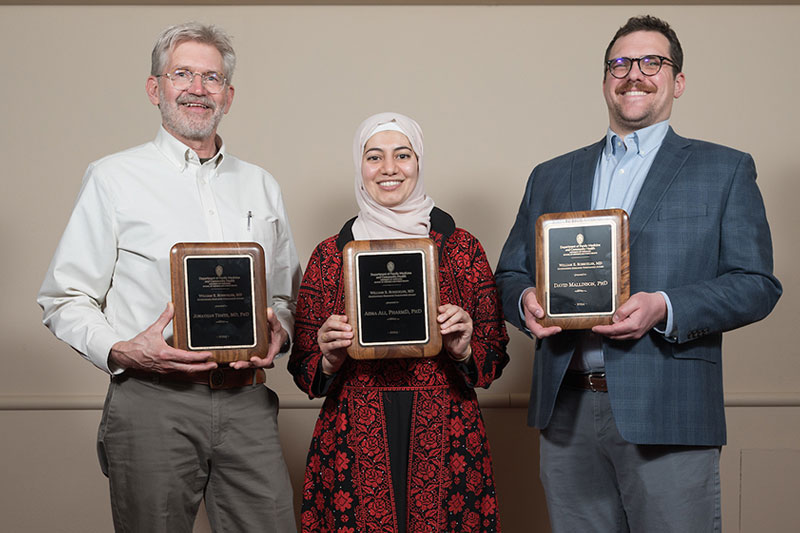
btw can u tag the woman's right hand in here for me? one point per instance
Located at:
(333, 338)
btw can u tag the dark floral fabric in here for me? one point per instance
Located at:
(450, 487)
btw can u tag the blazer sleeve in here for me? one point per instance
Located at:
(744, 289)
(516, 270)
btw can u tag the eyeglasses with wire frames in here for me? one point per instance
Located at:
(182, 79)
(619, 67)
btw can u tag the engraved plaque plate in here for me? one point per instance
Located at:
(392, 298)
(219, 293)
(582, 267)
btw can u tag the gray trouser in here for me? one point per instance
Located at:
(164, 446)
(595, 481)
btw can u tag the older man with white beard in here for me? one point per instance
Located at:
(176, 426)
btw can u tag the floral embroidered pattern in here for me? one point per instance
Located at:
(348, 482)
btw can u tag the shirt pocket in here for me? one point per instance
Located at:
(264, 231)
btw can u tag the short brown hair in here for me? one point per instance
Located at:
(650, 23)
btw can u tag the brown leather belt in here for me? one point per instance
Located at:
(219, 378)
(595, 381)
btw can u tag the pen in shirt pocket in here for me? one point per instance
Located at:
(249, 218)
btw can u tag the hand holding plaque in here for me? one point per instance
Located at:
(392, 298)
(582, 267)
(220, 296)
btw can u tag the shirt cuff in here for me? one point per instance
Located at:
(668, 331)
(100, 352)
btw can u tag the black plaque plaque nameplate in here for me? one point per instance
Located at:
(392, 297)
(219, 299)
(581, 270)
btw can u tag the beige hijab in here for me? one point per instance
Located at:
(412, 217)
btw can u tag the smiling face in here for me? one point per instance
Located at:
(191, 115)
(637, 101)
(389, 168)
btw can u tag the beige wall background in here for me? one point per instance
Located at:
(496, 89)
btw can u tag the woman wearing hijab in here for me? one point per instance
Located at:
(400, 444)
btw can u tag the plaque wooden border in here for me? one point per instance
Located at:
(618, 219)
(390, 350)
(178, 255)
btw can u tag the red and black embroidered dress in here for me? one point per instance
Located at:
(400, 444)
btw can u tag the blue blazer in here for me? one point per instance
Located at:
(698, 232)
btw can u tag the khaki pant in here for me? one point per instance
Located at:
(164, 446)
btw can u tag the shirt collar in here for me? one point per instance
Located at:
(180, 155)
(646, 139)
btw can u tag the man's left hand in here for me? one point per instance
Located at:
(635, 317)
(277, 336)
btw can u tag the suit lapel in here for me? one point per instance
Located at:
(582, 176)
(666, 166)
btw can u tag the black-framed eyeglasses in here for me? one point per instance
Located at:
(182, 79)
(619, 67)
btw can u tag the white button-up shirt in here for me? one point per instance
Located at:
(110, 276)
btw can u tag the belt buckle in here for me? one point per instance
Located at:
(589, 377)
(216, 378)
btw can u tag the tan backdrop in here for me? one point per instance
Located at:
(496, 89)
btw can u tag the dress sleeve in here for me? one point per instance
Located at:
(304, 362)
(478, 294)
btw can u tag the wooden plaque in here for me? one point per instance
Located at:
(220, 295)
(392, 298)
(582, 267)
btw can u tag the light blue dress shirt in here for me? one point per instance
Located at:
(620, 174)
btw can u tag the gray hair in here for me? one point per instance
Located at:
(192, 31)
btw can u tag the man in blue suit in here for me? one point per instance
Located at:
(631, 414)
